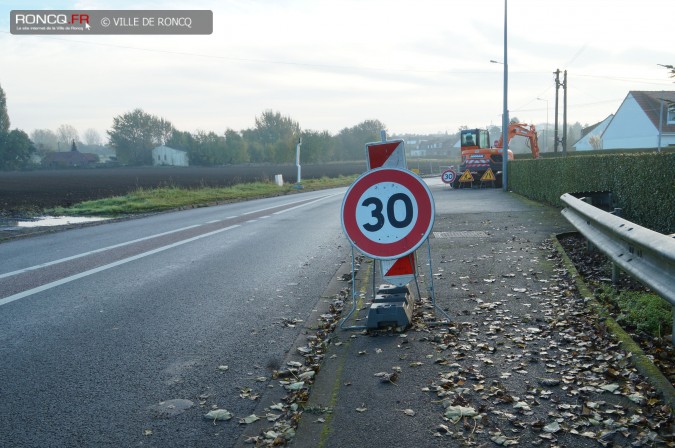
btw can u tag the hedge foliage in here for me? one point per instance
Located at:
(643, 184)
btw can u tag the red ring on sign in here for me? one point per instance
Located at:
(454, 176)
(420, 230)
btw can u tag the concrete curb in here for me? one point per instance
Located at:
(638, 357)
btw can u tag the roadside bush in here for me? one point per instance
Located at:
(642, 184)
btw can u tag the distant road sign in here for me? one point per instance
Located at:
(387, 213)
(448, 176)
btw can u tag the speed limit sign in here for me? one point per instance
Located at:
(387, 213)
(449, 176)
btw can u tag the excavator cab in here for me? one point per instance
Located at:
(475, 139)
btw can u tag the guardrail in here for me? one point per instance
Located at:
(646, 255)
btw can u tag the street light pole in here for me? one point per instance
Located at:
(505, 111)
(545, 130)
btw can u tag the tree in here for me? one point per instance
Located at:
(15, 149)
(136, 133)
(66, 135)
(45, 140)
(235, 147)
(273, 139)
(350, 142)
(92, 137)
(4, 116)
(316, 147)
(671, 68)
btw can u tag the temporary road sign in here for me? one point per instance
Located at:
(448, 176)
(488, 176)
(389, 154)
(387, 213)
(399, 272)
(466, 177)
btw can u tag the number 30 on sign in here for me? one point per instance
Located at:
(387, 213)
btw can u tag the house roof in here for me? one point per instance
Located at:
(650, 102)
(70, 157)
(587, 130)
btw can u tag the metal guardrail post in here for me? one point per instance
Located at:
(646, 255)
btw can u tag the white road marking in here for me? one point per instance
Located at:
(84, 254)
(65, 280)
(115, 246)
(45, 287)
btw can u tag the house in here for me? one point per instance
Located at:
(163, 155)
(592, 135)
(437, 146)
(644, 118)
(69, 159)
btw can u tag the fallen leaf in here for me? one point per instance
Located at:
(219, 414)
(248, 420)
(552, 427)
(455, 413)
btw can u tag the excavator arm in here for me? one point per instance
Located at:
(524, 130)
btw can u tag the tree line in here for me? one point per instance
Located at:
(273, 139)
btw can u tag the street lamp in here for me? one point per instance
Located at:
(545, 130)
(505, 112)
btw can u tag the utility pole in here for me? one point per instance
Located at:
(555, 132)
(564, 139)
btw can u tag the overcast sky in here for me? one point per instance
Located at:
(418, 66)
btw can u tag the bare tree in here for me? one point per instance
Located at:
(45, 140)
(67, 134)
(92, 137)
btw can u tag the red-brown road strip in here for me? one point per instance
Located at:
(32, 280)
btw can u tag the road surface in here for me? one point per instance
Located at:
(126, 334)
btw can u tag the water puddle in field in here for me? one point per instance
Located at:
(47, 221)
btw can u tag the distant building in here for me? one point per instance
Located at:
(442, 147)
(640, 119)
(591, 133)
(70, 159)
(163, 155)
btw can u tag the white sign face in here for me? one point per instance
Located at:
(386, 212)
(448, 176)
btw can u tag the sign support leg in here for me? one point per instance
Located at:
(431, 288)
(342, 323)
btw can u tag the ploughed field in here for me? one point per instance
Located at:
(34, 190)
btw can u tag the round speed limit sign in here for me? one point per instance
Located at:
(387, 213)
(448, 176)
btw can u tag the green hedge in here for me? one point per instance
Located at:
(643, 185)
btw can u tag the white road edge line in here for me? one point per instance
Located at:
(84, 254)
(115, 246)
(302, 205)
(65, 280)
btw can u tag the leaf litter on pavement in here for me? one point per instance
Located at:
(586, 392)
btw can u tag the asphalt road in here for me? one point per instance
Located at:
(119, 334)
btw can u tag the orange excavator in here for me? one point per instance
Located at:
(524, 130)
(478, 155)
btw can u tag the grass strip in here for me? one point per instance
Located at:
(171, 198)
(638, 357)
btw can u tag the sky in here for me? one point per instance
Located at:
(418, 66)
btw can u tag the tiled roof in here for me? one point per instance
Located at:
(650, 102)
(69, 158)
